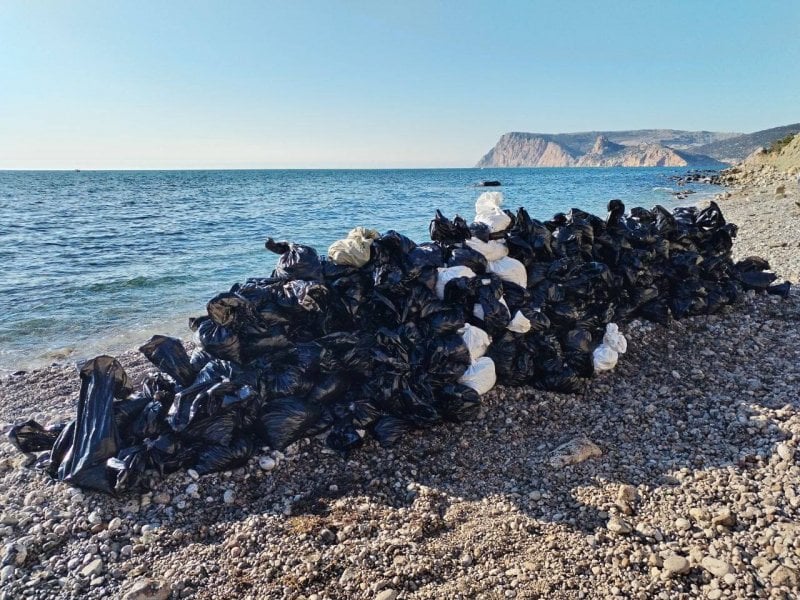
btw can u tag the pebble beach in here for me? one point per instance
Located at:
(673, 476)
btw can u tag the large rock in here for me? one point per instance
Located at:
(147, 589)
(574, 451)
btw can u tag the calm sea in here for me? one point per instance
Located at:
(98, 261)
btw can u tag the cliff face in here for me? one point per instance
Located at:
(644, 155)
(537, 150)
(527, 150)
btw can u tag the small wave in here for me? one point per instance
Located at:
(140, 282)
(668, 190)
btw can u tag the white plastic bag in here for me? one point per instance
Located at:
(492, 250)
(510, 269)
(488, 201)
(487, 210)
(447, 273)
(604, 358)
(519, 324)
(354, 250)
(496, 220)
(476, 340)
(480, 375)
(614, 339)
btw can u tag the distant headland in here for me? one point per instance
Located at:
(633, 148)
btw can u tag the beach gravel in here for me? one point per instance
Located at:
(690, 487)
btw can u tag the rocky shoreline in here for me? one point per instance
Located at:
(684, 482)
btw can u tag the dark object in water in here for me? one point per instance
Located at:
(489, 183)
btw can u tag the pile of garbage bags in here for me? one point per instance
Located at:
(384, 336)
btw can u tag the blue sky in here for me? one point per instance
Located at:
(111, 84)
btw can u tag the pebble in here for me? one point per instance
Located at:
(147, 589)
(618, 525)
(715, 566)
(387, 594)
(228, 497)
(94, 567)
(574, 451)
(7, 573)
(724, 517)
(266, 463)
(676, 564)
(785, 451)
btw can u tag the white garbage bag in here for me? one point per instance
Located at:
(480, 375)
(519, 324)
(447, 273)
(488, 201)
(476, 340)
(604, 358)
(353, 251)
(510, 269)
(492, 250)
(487, 210)
(614, 339)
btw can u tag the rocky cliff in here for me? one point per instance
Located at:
(542, 150)
(525, 150)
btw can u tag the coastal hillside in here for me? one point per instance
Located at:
(736, 149)
(783, 155)
(518, 149)
(778, 164)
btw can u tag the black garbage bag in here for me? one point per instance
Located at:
(191, 402)
(443, 322)
(330, 387)
(388, 430)
(30, 436)
(419, 303)
(94, 438)
(286, 381)
(780, 289)
(216, 340)
(418, 401)
(756, 280)
(149, 423)
(168, 453)
(306, 295)
(296, 261)
(467, 257)
(447, 357)
(199, 359)
(344, 436)
(457, 403)
(127, 469)
(211, 459)
(169, 356)
(218, 429)
(449, 232)
(287, 420)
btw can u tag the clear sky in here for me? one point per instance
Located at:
(194, 84)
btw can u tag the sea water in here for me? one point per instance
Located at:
(95, 262)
